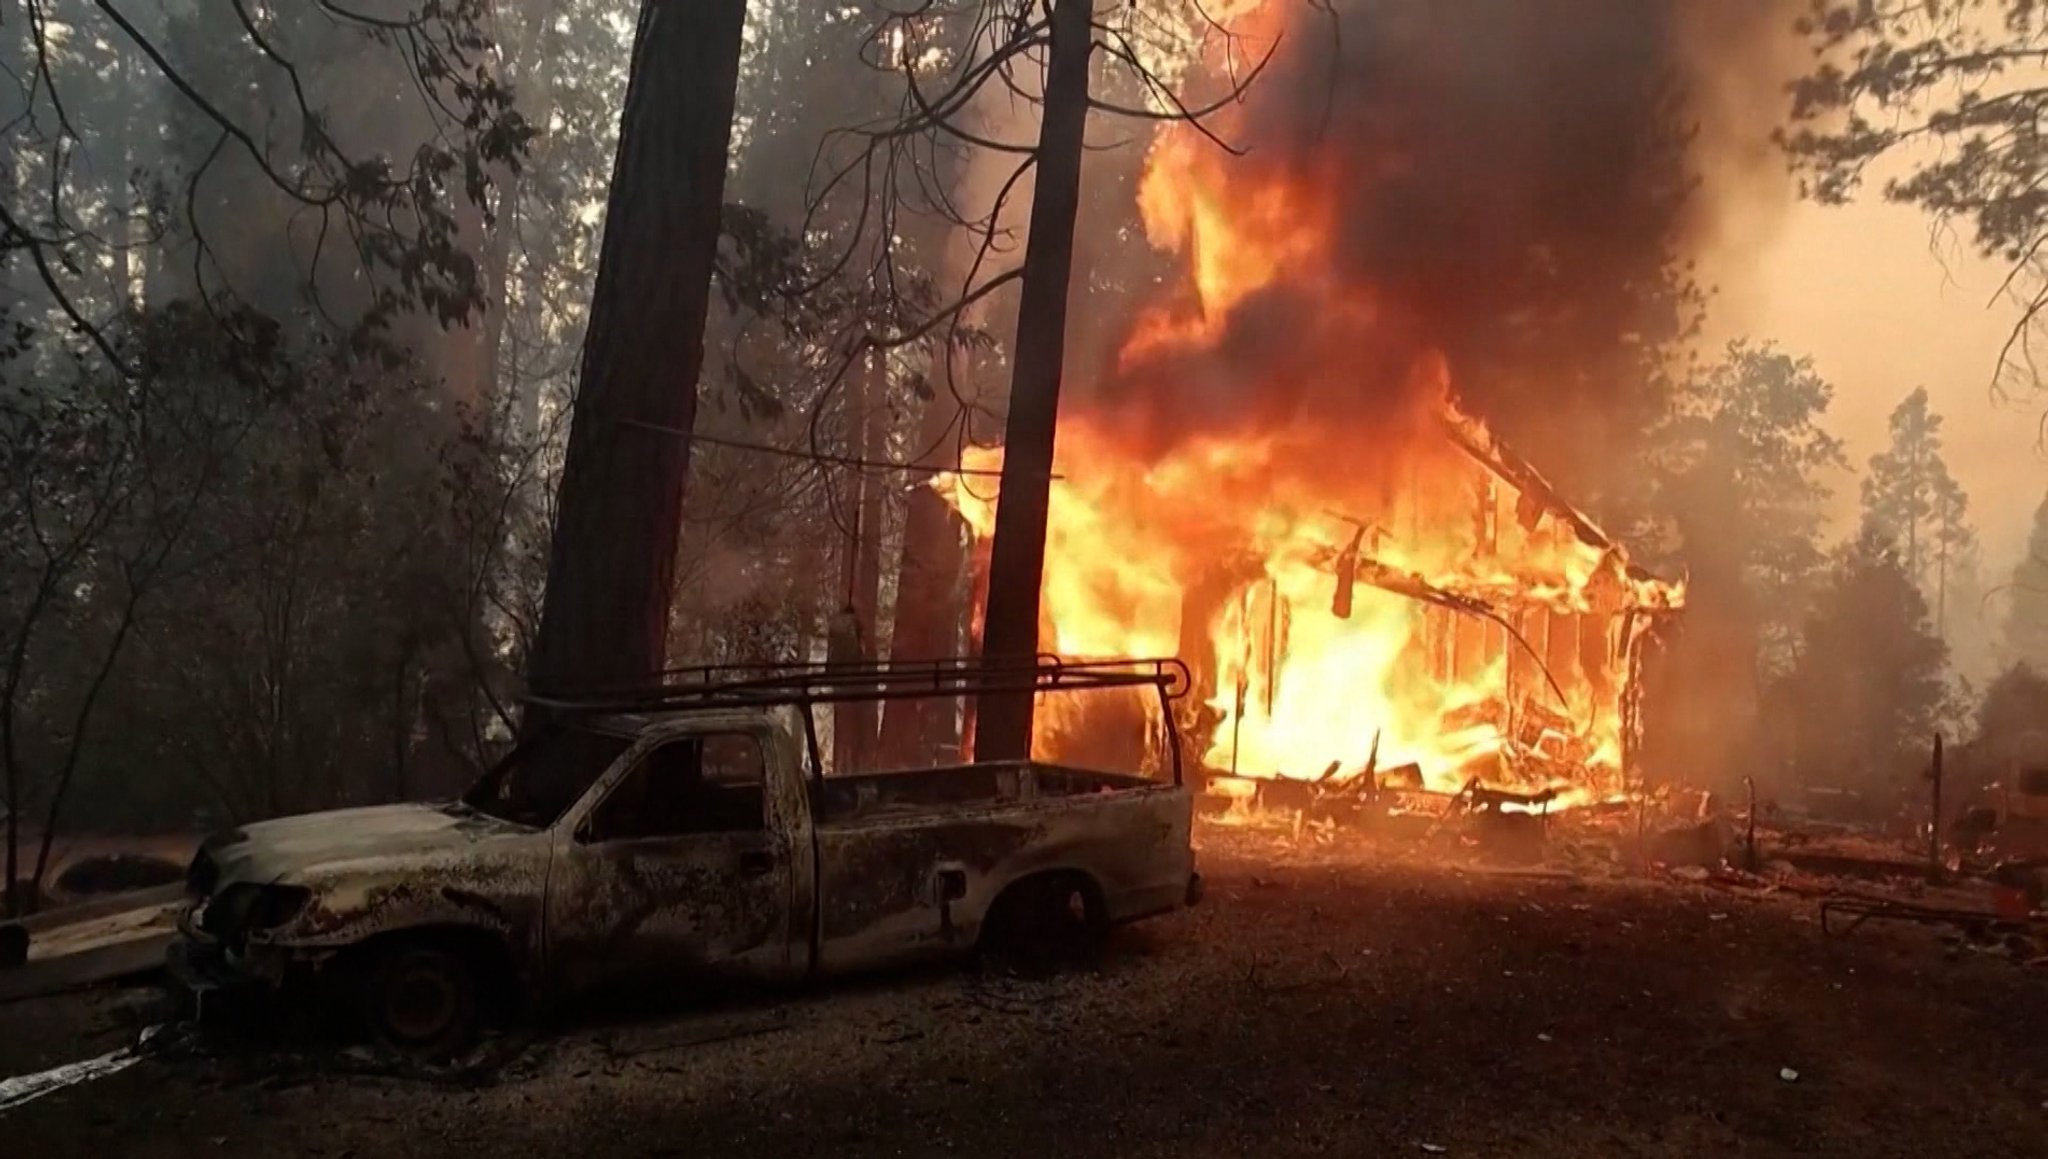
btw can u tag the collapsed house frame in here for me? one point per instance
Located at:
(1601, 638)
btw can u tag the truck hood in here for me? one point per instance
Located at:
(269, 850)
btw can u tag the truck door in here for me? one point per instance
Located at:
(681, 874)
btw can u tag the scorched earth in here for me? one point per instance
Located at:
(1321, 1001)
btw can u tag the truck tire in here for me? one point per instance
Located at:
(422, 1000)
(1046, 923)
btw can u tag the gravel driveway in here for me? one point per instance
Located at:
(1318, 1002)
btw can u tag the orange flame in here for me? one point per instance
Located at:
(1484, 636)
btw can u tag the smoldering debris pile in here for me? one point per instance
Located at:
(1857, 878)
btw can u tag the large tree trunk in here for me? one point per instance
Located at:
(928, 603)
(867, 560)
(1017, 564)
(855, 725)
(610, 575)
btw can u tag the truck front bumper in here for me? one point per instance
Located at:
(204, 978)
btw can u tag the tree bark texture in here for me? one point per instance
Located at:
(855, 724)
(1017, 564)
(928, 597)
(604, 619)
(867, 562)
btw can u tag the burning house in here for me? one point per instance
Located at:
(1450, 231)
(1444, 621)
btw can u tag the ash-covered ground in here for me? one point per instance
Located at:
(1321, 1001)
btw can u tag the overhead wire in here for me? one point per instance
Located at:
(823, 457)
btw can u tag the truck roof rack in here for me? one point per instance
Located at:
(760, 685)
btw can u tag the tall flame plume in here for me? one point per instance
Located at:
(1371, 589)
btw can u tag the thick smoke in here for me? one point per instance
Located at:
(1516, 184)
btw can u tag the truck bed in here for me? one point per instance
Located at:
(865, 795)
(911, 863)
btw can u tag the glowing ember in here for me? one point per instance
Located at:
(1355, 594)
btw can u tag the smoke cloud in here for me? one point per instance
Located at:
(1516, 185)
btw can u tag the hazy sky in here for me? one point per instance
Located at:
(1882, 307)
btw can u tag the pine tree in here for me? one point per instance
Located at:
(1739, 465)
(1737, 470)
(1911, 501)
(619, 514)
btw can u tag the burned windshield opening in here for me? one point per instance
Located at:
(538, 780)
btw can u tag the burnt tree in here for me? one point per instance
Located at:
(1017, 564)
(605, 615)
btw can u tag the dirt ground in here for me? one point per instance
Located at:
(1316, 1003)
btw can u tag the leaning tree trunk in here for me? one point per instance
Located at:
(1017, 564)
(610, 575)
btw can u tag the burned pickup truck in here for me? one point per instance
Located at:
(699, 835)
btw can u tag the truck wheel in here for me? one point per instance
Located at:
(422, 1001)
(1043, 924)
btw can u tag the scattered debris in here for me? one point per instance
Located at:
(1696, 845)
(1859, 910)
(29, 1087)
(1788, 1074)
